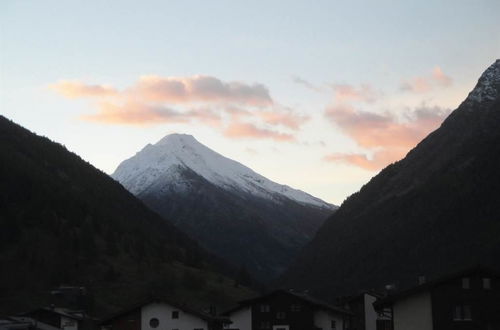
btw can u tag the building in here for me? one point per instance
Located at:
(288, 310)
(466, 300)
(60, 318)
(160, 314)
(365, 315)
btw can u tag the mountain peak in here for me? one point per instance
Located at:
(488, 86)
(177, 152)
(177, 138)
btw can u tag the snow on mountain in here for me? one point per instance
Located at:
(488, 86)
(163, 160)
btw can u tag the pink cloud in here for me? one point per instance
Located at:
(427, 83)
(349, 93)
(76, 89)
(379, 160)
(440, 77)
(202, 99)
(286, 119)
(389, 136)
(417, 85)
(246, 130)
(134, 114)
(200, 89)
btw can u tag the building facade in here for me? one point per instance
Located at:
(162, 315)
(286, 310)
(467, 300)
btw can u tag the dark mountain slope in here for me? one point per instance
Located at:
(64, 221)
(233, 212)
(436, 210)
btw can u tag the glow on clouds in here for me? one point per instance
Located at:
(237, 109)
(386, 136)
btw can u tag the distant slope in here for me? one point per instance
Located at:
(435, 211)
(64, 221)
(229, 209)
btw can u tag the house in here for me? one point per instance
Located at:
(18, 323)
(365, 315)
(466, 300)
(60, 318)
(288, 310)
(161, 314)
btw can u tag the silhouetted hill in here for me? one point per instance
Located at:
(435, 211)
(64, 221)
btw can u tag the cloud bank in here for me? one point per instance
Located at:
(236, 109)
(427, 83)
(386, 136)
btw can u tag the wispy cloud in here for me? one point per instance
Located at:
(300, 81)
(379, 159)
(199, 89)
(349, 93)
(75, 89)
(246, 130)
(440, 77)
(134, 114)
(386, 136)
(236, 109)
(427, 83)
(373, 130)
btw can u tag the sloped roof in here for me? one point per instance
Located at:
(312, 301)
(183, 307)
(391, 298)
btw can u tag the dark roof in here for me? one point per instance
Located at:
(359, 296)
(389, 299)
(182, 307)
(319, 304)
(72, 314)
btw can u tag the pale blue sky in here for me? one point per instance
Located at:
(378, 43)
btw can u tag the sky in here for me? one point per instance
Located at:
(318, 95)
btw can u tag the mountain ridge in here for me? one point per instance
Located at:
(228, 208)
(64, 221)
(434, 211)
(213, 166)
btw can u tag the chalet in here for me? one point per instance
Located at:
(19, 323)
(466, 300)
(59, 318)
(288, 310)
(161, 314)
(365, 315)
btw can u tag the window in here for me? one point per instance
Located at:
(295, 308)
(334, 325)
(265, 325)
(384, 325)
(175, 314)
(462, 313)
(280, 315)
(154, 322)
(265, 308)
(487, 283)
(465, 283)
(466, 313)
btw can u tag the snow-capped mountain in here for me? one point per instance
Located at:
(231, 210)
(488, 86)
(175, 151)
